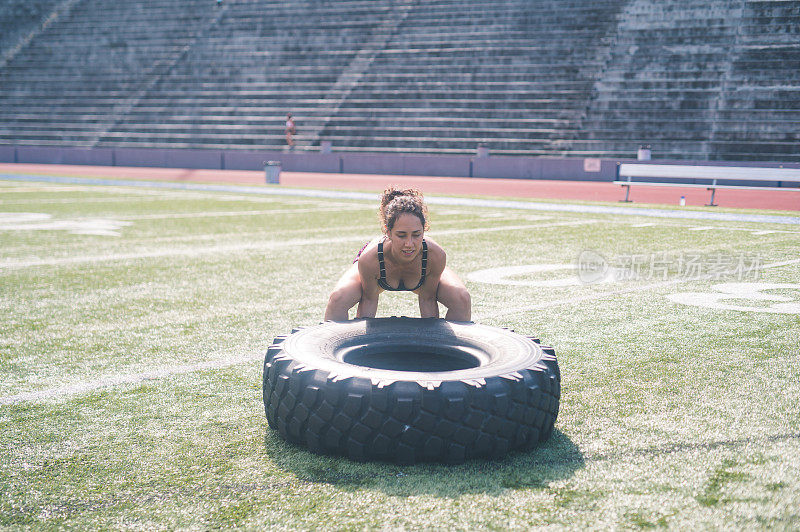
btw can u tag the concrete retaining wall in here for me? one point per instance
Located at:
(357, 163)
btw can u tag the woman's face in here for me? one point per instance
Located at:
(406, 236)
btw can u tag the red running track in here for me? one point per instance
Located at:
(514, 188)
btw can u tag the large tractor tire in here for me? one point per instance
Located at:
(410, 389)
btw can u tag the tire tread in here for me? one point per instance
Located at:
(404, 422)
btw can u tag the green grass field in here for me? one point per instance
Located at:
(135, 321)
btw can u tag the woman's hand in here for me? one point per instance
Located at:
(367, 307)
(428, 307)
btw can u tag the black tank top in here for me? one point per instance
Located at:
(382, 281)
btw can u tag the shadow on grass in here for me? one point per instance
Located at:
(556, 459)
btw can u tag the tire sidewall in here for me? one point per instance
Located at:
(500, 352)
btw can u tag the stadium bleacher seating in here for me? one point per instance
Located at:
(559, 78)
(714, 80)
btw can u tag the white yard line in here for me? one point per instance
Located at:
(134, 196)
(751, 230)
(80, 201)
(782, 263)
(22, 189)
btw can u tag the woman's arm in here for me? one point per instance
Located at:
(428, 306)
(368, 306)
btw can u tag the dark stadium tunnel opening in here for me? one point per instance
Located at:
(410, 357)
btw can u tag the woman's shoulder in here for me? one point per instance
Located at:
(434, 247)
(370, 252)
(436, 253)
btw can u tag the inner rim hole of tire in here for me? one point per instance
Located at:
(426, 359)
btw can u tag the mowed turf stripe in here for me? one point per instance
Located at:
(431, 200)
(221, 363)
(246, 247)
(511, 227)
(220, 250)
(82, 388)
(225, 214)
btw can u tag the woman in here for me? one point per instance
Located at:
(290, 130)
(402, 259)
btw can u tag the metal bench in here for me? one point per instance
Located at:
(654, 174)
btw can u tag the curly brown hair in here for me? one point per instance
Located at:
(396, 201)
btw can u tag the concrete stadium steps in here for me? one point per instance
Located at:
(21, 18)
(762, 98)
(716, 80)
(287, 60)
(515, 58)
(685, 77)
(173, 24)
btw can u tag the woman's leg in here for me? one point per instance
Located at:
(454, 295)
(345, 295)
